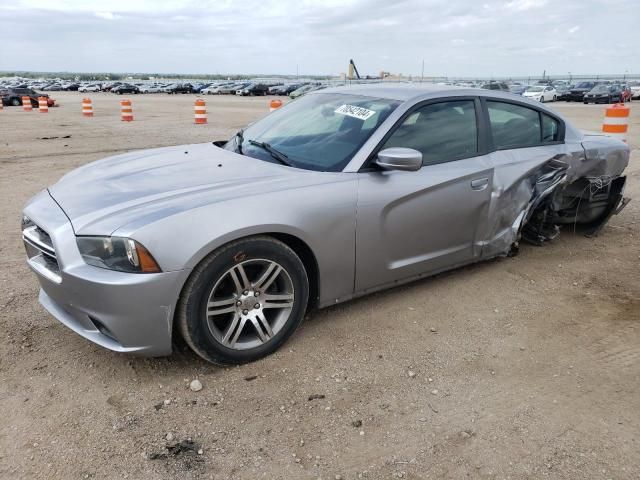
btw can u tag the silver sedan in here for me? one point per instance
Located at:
(340, 193)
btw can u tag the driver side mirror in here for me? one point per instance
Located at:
(399, 158)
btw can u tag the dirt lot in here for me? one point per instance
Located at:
(525, 367)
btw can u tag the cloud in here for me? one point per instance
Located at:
(106, 15)
(462, 38)
(523, 5)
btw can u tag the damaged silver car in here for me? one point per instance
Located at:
(339, 194)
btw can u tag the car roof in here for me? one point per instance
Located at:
(413, 91)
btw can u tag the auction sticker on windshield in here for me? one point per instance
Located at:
(355, 112)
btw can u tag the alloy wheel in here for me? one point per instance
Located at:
(249, 304)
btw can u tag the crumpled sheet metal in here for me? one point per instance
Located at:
(523, 178)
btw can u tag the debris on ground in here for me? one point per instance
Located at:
(195, 385)
(173, 449)
(53, 138)
(316, 396)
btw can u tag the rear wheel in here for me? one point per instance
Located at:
(243, 301)
(15, 102)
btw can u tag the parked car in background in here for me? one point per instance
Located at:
(53, 87)
(257, 89)
(627, 94)
(89, 88)
(541, 93)
(577, 92)
(215, 88)
(153, 88)
(232, 89)
(13, 97)
(517, 89)
(179, 88)
(603, 94)
(199, 88)
(635, 91)
(107, 87)
(286, 89)
(210, 90)
(359, 189)
(125, 88)
(301, 91)
(501, 86)
(561, 89)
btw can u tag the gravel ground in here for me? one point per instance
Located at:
(525, 367)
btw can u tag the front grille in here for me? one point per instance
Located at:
(41, 252)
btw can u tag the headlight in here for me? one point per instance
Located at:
(26, 222)
(117, 253)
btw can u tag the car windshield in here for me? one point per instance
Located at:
(600, 89)
(535, 89)
(318, 132)
(584, 85)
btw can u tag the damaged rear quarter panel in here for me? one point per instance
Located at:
(522, 176)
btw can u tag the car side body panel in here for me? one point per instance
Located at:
(367, 228)
(410, 223)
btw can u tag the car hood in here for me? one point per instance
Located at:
(139, 187)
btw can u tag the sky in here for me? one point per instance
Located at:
(454, 37)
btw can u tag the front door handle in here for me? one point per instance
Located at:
(479, 183)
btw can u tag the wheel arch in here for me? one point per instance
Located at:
(308, 259)
(297, 244)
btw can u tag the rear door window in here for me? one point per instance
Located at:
(550, 129)
(513, 126)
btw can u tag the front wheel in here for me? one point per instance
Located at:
(243, 301)
(555, 98)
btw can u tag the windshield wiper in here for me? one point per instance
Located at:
(239, 139)
(281, 157)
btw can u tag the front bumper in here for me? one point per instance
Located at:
(120, 311)
(598, 99)
(574, 96)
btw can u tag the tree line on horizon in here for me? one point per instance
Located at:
(105, 76)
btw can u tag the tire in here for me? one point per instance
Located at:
(555, 98)
(586, 103)
(542, 99)
(16, 102)
(234, 335)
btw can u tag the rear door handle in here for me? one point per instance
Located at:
(479, 183)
